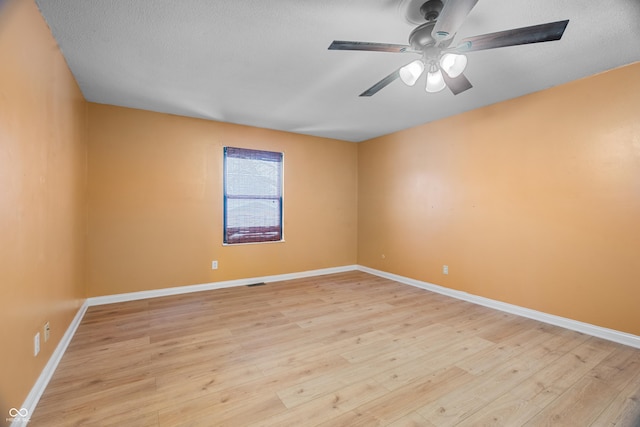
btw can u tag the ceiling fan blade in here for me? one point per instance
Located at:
(458, 84)
(517, 36)
(369, 46)
(451, 18)
(381, 84)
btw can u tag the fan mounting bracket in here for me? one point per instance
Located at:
(420, 11)
(431, 10)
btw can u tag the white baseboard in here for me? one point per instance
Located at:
(575, 325)
(38, 388)
(132, 296)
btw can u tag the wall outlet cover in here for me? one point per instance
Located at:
(36, 344)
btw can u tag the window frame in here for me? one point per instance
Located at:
(253, 233)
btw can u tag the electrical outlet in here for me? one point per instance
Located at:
(36, 344)
(47, 331)
(214, 265)
(445, 269)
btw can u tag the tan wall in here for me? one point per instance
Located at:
(42, 197)
(534, 201)
(155, 202)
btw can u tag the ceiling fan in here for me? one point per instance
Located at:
(432, 40)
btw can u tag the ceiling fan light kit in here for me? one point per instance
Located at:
(410, 73)
(435, 80)
(453, 64)
(432, 39)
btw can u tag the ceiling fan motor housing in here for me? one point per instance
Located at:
(421, 36)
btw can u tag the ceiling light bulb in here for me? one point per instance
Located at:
(435, 82)
(453, 64)
(410, 73)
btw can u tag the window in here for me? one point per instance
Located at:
(252, 196)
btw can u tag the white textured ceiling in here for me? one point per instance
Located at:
(266, 63)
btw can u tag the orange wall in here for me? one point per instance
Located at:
(42, 197)
(533, 201)
(155, 202)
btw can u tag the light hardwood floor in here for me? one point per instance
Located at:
(348, 349)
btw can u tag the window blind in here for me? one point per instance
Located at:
(252, 196)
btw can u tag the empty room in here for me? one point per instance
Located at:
(363, 213)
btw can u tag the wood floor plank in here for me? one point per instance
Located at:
(353, 418)
(507, 410)
(407, 399)
(347, 349)
(436, 358)
(624, 410)
(412, 420)
(328, 406)
(252, 409)
(615, 370)
(580, 405)
(526, 398)
(78, 407)
(455, 407)
(286, 360)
